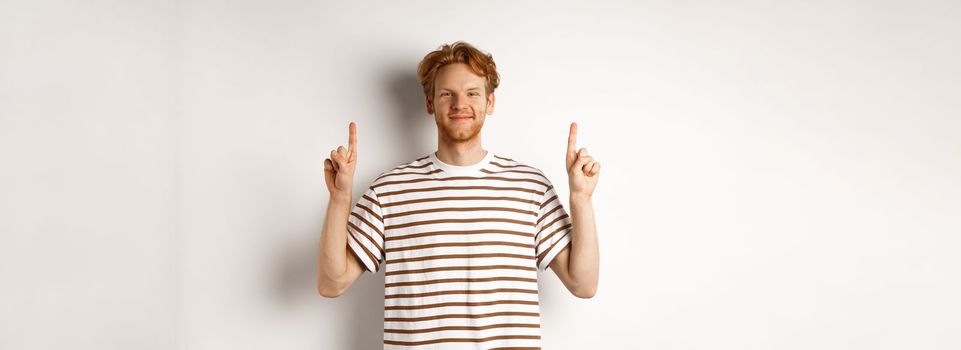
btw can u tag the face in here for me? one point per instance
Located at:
(460, 103)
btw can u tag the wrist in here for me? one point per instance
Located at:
(577, 197)
(344, 198)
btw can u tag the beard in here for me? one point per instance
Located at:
(460, 133)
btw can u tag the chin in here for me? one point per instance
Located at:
(462, 135)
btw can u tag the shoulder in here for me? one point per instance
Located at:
(502, 164)
(416, 166)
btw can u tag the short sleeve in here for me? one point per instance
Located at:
(553, 228)
(365, 231)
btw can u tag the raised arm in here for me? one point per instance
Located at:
(578, 264)
(337, 268)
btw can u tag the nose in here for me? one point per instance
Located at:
(460, 102)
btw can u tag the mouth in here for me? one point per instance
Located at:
(461, 117)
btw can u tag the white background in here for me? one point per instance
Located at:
(777, 175)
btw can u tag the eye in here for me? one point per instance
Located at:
(473, 94)
(445, 93)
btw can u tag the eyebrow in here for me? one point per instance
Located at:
(450, 89)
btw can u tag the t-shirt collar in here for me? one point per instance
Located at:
(465, 170)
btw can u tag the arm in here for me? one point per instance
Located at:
(337, 268)
(578, 264)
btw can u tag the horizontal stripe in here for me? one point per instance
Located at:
(466, 249)
(414, 166)
(471, 198)
(462, 328)
(499, 165)
(467, 303)
(459, 256)
(511, 171)
(456, 178)
(449, 188)
(459, 232)
(456, 280)
(456, 221)
(408, 173)
(459, 291)
(439, 210)
(457, 268)
(460, 340)
(438, 317)
(459, 244)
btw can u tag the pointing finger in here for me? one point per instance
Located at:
(572, 140)
(352, 142)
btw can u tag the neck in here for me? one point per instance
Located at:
(460, 153)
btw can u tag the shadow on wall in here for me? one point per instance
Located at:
(417, 130)
(357, 315)
(365, 299)
(365, 312)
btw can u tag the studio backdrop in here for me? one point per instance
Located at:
(777, 174)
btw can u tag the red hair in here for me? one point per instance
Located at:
(479, 62)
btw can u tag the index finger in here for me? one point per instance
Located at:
(572, 139)
(352, 140)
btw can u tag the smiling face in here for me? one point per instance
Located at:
(460, 103)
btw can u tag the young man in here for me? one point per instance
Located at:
(461, 232)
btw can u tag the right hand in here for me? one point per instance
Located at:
(339, 168)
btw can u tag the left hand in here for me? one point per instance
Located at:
(582, 169)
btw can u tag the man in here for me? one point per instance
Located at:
(461, 232)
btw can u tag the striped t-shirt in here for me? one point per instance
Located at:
(461, 247)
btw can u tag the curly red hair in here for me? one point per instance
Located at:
(479, 62)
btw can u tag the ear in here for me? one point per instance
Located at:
(430, 105)
(490, 103)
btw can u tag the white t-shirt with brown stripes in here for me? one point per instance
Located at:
(461, 247)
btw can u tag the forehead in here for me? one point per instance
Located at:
(458, 75)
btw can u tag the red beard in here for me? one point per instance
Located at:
(459, 132)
